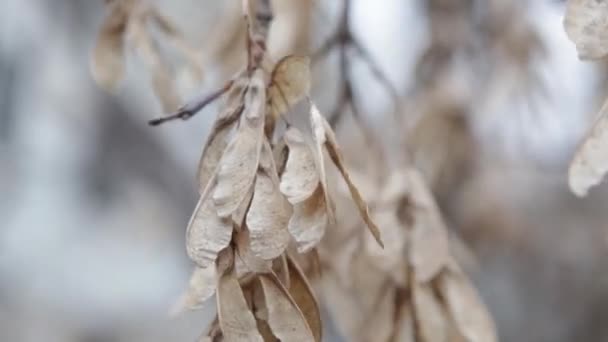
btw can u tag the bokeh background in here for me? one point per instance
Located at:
(94, 203)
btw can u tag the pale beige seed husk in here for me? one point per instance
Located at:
(245, 260)
(202, 286)
(317, 123)
(432, 323)
(342, 305)
(217, 139)
(108, 56)
(207, 233)
(590, 162)
(336, 156)
(301, 177)
(303, 295)
(235, 319)
(466, 308)
(269, 212)
(404, 325)
(309, 221)
(381, 323)
(586, 24)
(285, 319)
(290, 83)
(429, 252)
(238, 166)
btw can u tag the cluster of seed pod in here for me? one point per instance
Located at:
(263, 191)
(413, 289)
(130, 24)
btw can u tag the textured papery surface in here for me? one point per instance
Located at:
(207, 233)
(285, 319)
(202, 286)
(586, 23)
(301, 177)
(235, 318)
(269, 212)
(239, 164)
(590, 162)
(290, 82)
(309, 220)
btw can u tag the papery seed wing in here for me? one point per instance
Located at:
(380, 323)
(431, 320)
(290, 82)
(304, 297)
(301, 177)
(429, 252)
(466, 308)
(586, 23)
(269, 212)
(284, 317)
(238, 166)
(203, 283)
(336, 156)
(108, 57)
(207, 233)
(236, 320)
(317, 123)
(309, 220)
(245, 260)
(590, 162)
(404, 325)
(216, 142)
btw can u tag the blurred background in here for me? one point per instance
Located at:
(492, 100)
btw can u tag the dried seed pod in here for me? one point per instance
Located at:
(466, 308)
(269, 212)
(289, 83)
(235, 318)
(429, 252)
(309, 220)
(590, 162)
(203, 284)
(285, 319)
(107, 60)
(301, 176)
(586, 23)
(246, 261)
(216, 142)
(431, 320)
(238, 166)
(303, 296)
(207, 233)
(336, 156)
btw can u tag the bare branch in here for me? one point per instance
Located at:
(193, 107)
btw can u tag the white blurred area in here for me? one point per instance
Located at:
(94, 203)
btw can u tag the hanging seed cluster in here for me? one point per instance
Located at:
(262, 191)
(130, 24)
(412, 290)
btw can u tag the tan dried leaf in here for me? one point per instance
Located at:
(269, 212)
(336, 156)
(236, 320)
(238, 166)
(284, 317)
(429, 252)
(289, 83)
(304, 297)
(586, 24)
(590, 162)
(381, 322)
(309, 220)
(207, 233)
(301, 177)
(432, 323)
(108, 57)
(466, 308)
(203, 283)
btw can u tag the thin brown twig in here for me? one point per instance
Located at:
(192, 107)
